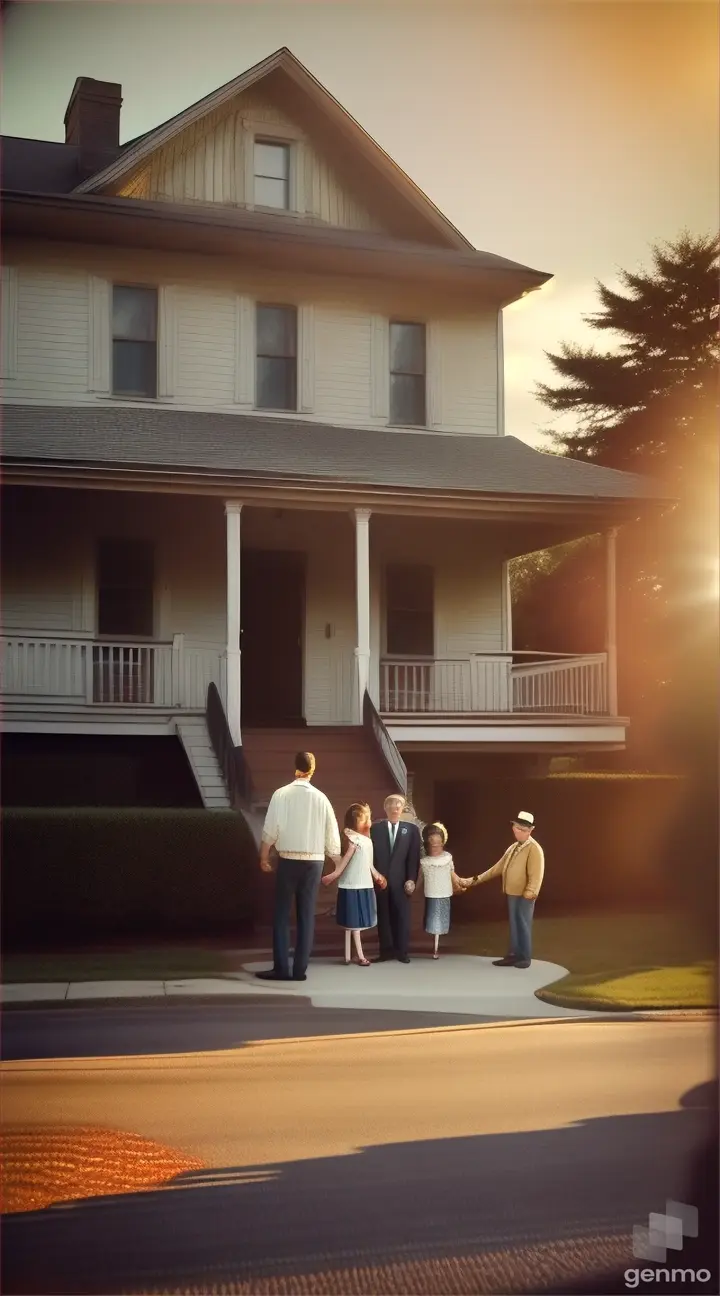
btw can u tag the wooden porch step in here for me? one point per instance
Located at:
(203, 762)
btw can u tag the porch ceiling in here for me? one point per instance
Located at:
(267, 460)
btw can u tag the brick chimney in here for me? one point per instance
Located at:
(92, 123)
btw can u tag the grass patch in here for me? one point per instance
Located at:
(141, 964)
(693, 985)
(614, 960)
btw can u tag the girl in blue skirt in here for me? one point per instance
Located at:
(440, 882)
(356, 905)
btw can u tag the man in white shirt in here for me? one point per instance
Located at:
(301, 825)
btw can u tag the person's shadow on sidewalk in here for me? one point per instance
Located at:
(447, 1198)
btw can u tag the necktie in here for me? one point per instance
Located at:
(393, 831)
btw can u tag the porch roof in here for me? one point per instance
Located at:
(261, 448)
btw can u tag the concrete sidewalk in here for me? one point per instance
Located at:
(455, 983)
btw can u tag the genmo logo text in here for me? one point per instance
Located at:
(633, 1277)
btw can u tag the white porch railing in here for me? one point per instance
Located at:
(51, 669)
(496, 684)
(573, 686)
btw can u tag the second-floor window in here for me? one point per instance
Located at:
(134, 341)
(407, 374)
(409, 610)
(276, 359)
(272, 174)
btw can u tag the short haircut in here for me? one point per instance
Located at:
(394, 796)
(304, 762)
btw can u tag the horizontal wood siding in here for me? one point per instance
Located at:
(52, 332)
(342, 365)
(62, 305)
(207, 163)
(468, 581)
(465, 361)
(205, 321)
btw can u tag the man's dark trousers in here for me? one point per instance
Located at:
(399, 866)
(297, 880)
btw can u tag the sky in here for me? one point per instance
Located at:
(569, 135)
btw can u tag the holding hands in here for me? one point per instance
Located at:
(329, 878)
(379, 880)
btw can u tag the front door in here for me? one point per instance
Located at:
(272, 595)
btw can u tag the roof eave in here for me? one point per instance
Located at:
(216, 230)
(594, 507)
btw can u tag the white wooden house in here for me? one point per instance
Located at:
(253, 437)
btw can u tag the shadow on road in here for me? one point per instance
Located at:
(481, 1201)
(201, 1026)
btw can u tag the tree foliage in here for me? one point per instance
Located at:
(648, 406)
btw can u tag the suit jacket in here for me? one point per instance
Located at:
(404, 863)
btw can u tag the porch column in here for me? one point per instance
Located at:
(233, 509)
(362, 593)
(611, 618)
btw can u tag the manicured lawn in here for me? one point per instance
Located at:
(139, 964)
(614, 960)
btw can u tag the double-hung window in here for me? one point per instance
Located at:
(407, 374)
(271, 174)
(134, 341)
(276, 361)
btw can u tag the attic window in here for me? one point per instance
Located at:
(272, 174)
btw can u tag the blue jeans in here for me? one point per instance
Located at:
(297, 880)
(520, 913)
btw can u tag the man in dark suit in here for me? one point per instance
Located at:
(396, 847)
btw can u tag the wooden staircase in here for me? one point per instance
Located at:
(349, 765)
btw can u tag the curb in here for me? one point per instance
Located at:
(228, 1057)
(143, 1001)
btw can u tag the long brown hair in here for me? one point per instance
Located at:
(357, 819)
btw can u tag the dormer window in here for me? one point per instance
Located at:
(272, 174)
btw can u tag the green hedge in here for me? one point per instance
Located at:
(93, 872)
(626, 843)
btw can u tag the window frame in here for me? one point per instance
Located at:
(145, 288)
(287, 146)
(111, 637)
(399, 566)
(277, 409)
(406, 323)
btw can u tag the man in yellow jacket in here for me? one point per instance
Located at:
(522, 868)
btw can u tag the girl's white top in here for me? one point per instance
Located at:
(357, 875)
(437, 871)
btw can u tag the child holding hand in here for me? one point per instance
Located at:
(355, 874)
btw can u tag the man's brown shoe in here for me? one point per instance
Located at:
(508, 961)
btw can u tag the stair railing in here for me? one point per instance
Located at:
(231, 759)
(394, 762)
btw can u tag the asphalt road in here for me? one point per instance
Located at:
(182, 1026)
(500, 1160)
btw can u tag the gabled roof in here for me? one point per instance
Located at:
(284, 62)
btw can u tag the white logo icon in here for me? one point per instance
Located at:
(665, 1232)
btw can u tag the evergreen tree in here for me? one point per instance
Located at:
(649, 406)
